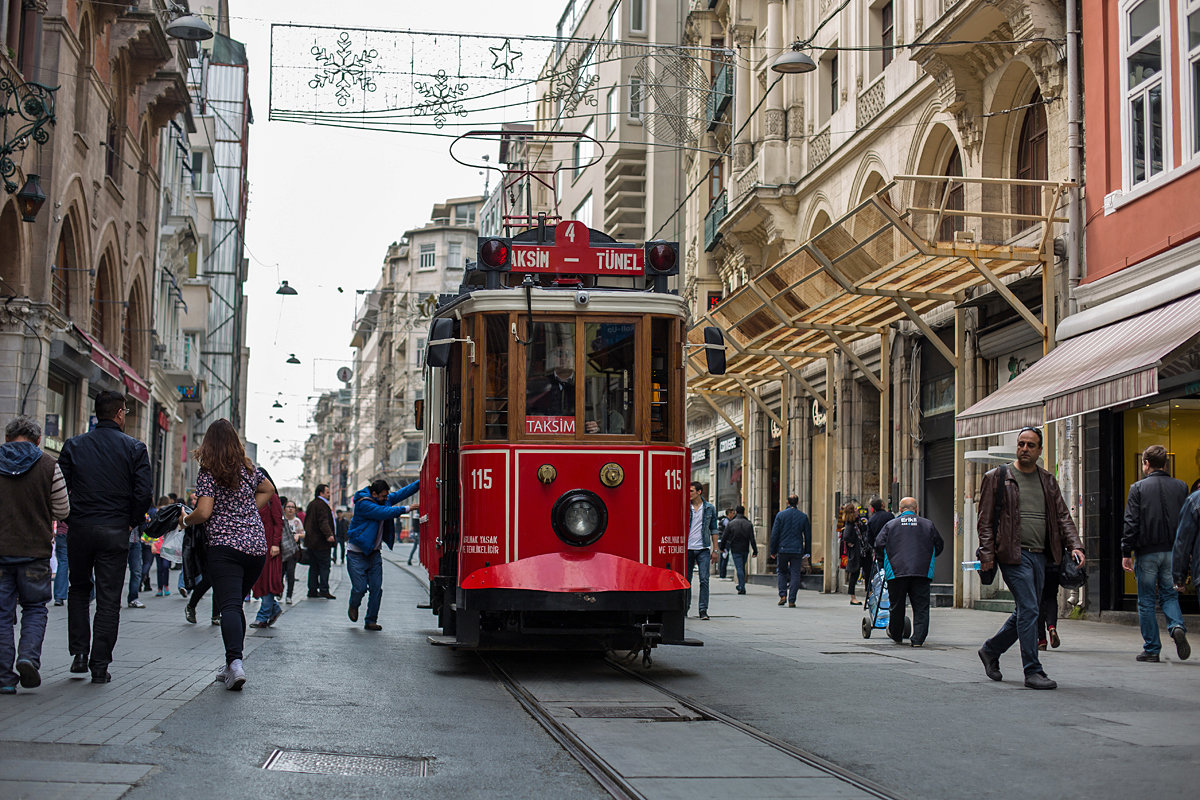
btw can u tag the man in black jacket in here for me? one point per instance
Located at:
(906, 548)
(109, 479)
(320, 534)
(880, 516)
(738, 540)
(1151, 519)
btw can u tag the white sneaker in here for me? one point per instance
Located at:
(222, 675)
(237, 676)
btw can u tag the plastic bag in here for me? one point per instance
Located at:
(172, 546)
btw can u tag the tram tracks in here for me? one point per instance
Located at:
(620, 759)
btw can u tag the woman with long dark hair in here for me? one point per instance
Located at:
(854, 548)
(229, 492)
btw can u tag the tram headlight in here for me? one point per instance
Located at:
(579, 517)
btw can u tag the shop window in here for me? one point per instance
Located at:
(608, 377)
(1143, 110)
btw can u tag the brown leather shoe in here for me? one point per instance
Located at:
(373, 626)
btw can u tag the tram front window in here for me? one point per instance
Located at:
(608, 380)
(550, 389)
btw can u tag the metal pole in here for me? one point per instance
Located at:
(1074, 158)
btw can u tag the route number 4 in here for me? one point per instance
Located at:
(674, 479)
(570, 232)
(481, 479)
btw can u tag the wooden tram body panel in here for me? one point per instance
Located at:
(502, 574)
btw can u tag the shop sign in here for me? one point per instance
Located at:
(189, 392)
(776, 430)
(727, 444)
(699, 455)
(818, 415)
(163, 421)
(51, 426)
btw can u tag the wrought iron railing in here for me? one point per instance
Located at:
(712, 221)
(719, 95)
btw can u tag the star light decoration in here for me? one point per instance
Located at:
(504, 57)
(343, 69)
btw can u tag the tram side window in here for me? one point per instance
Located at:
(495, 377)
(660, 378)
(608, 377)
(550, 371)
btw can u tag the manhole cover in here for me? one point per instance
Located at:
(344, 764)
(625, 712)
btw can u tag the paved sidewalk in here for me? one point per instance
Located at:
(160, 663)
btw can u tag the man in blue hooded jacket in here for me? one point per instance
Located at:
(373, 525)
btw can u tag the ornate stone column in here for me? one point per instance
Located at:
(774, 158)
(743, 150)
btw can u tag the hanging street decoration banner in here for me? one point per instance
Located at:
(422, 82)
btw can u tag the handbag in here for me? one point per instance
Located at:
(1072, 574)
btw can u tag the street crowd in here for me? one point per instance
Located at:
(92, 512)
(1025, 531)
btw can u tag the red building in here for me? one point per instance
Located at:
(1138, 303)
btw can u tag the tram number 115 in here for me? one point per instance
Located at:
(481, 479)
(674, 479)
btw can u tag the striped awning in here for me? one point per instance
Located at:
(1109, 366)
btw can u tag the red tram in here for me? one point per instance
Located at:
(554, 486)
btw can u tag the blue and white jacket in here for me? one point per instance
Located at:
(907, 546)
(372, 524)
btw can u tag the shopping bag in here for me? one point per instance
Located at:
(172, 546)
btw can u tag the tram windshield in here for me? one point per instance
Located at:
(608, 380)
(550, 389)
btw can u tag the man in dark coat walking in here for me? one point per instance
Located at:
(320, 533)
(880, 516)
(791, 541)
(738, 540)
(109, 480)
(906, 548)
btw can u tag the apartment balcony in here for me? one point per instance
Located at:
(712, 221)
(625, 194)
(719, 96)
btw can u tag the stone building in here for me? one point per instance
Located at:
(877, 237)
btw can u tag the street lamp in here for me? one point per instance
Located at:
(189, 27)
(30, 198)
(292, 359)
(277, 404)
(278, 419)
(285, 289)
(795, 61)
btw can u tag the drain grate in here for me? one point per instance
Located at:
(624, 712)
(346, 764)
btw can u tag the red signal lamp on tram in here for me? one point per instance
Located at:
(662, 258)
(495, 254)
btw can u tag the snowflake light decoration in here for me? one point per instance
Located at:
(441, 98)
(573, 85)
(342, 68)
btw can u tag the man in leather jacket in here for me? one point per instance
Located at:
(109, 480)
(1032, 529)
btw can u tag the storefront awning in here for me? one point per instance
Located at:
(1116, 364)
(117, 368)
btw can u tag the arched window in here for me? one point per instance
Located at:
(101, 312)
(955, 196)
(1032, 160)
(65, 264)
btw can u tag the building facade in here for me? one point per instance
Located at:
(877, 239)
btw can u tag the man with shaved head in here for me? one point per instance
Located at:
(906, 547)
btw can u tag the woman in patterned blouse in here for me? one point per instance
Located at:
(229, 492)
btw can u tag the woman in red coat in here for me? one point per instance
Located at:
(269, 585)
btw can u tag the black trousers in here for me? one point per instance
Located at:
(318, 571)
(232, 574)
(900, 591)
(202, 586)
(289, 572)
(1048, 607)
(102, 553)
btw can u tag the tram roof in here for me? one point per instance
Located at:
(563, 301)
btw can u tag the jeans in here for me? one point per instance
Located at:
(61, 581)
(901, 590)
(98, 559)
(789, 567)
(318, 572)
(1153, 572)
(232, 574)
(135, 570)
(739, 568)
(701, 559)
(268, 609)
(289, 574)
(1025, 581)
(147, 564)
(164, 573)
(27, 585)
(366, 576)
(413, 552)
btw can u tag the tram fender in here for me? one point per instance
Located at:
(574, 573)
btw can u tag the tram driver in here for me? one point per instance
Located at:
(551, 393)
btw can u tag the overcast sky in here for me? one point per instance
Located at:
(326, 202)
